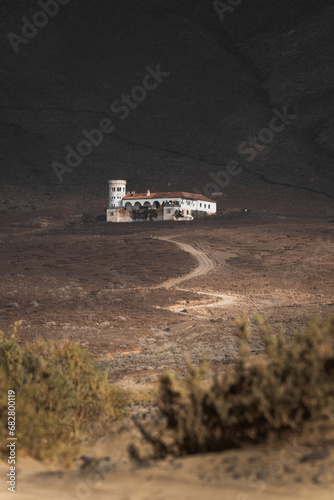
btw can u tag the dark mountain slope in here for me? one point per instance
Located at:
(227, 80)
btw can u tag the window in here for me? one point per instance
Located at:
(119, 189)
(200, 204)
(208, 206)
(204, 205)
(113, 189)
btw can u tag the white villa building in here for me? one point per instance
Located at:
(125, 206)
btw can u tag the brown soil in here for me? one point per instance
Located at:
(100, 284)
(106, 286)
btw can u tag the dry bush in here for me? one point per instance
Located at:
(253, 400)
(61, 397)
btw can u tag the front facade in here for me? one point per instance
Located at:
(130, 206)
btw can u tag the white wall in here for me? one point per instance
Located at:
(203, 206)
(117, 190)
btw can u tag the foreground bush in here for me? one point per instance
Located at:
(61, 397)
(253, 400)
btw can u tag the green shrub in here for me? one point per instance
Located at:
(61, 397)
(253, 400)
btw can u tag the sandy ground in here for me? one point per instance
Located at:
(297, 468)
(141, 296)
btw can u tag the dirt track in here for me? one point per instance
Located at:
(124, 304)
(205, 263)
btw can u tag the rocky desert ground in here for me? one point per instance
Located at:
(142, 296)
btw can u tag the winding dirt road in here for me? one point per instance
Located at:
(206, 263)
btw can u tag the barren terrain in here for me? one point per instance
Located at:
(140, 297)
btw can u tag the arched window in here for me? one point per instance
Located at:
(128, 206)
(156, 204)
(137, 205)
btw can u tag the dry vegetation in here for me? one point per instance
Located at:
(61, 397)
(253, 400)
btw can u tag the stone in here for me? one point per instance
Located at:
(12, 305)
(120, 318)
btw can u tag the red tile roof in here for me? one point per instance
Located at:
(170, 195)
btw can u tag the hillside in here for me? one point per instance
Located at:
(225, 80)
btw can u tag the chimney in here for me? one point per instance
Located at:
(148, 192)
